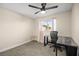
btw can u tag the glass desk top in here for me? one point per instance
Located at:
(63, 41)
(66, 41)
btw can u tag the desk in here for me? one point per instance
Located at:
(67, 42)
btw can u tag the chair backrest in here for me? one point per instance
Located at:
(54, 36)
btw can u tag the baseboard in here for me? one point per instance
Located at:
(8, 48)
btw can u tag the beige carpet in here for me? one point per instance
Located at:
(32, 48)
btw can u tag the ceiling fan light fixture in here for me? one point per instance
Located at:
(43, 12)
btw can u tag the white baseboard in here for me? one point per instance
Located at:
(2, 50)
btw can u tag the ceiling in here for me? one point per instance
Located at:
(23, 8)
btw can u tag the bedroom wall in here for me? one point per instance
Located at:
(75, 23)
(63, 25)
(15, 29)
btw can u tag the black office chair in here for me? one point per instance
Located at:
(54, 38)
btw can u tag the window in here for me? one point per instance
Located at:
(48, 24)
(45, 27)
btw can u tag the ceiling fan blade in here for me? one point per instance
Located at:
(51, 7)
(37, 12)
(34, 6)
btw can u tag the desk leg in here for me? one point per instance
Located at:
(56, 51)
(47, 39)
(44, 41)
(71, 51)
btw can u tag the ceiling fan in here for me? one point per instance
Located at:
(43, 8)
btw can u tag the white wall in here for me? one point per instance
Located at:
(15, 29)
(75, 23)
(63, 23)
